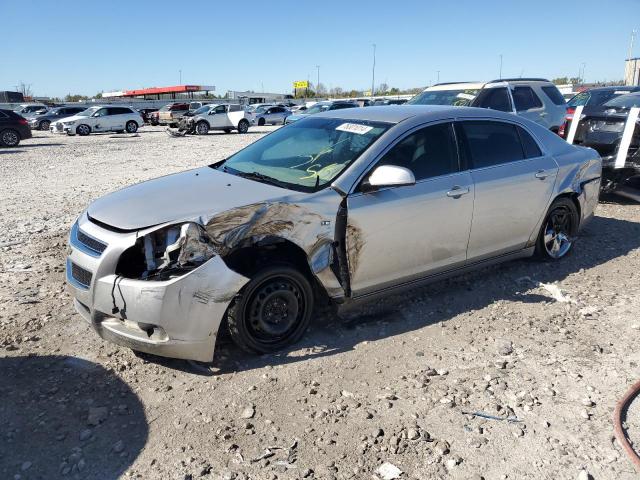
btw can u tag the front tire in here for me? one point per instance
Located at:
(83, 130)
(131, 126)
(273, 310)
(558, 231)
(243, 126)
(202, 127)
(9, 138)
(44, 125)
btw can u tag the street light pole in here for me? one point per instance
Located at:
(438, 72)
(318, 84)
(373, 71)
(500, 76)
(180, 77)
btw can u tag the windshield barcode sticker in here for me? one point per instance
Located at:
(354, 128)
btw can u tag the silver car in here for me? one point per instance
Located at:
(272, 115)
(342, 206)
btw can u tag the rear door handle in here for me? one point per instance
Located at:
(457, 191)
(541, 174)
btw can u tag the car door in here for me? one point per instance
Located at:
(513, 179)
(529, 105)
(400, 234)
(99, 121)
(218, 117)
(117, 118)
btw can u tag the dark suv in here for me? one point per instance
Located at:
(13, 128)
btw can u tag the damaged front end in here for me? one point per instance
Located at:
(186, 126)
(162, 290)
(166, 253)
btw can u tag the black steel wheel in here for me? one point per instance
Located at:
(558, 231)
(273, 310)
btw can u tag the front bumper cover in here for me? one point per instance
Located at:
(176, 318)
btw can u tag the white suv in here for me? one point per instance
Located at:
(104, 118)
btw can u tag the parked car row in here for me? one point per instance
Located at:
(104, 118)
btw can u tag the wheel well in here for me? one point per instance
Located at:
(573, 196)
(247, 260)
(133, 122)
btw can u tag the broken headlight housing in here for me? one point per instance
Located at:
(166, 253)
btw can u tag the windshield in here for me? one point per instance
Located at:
(317, 108)
(88, 112)
(202, 110)
(624, 101)
(261, 109)
(456, 98)
(308, 154)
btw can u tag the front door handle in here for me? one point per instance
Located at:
(541, 174)
(457, 191)
(543, 114)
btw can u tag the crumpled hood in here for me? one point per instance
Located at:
(178, 197)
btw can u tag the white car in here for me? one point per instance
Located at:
(104, 118)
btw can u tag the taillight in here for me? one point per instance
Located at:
(561, 130)
(23, 121)
(570, 110)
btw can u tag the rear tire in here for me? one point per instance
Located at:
(243, 126)
(273, 310)
(261, 122)
(83, 130)
(202, 127)
(44, 125)
(131, 126)
(9, 138)
(558, 231)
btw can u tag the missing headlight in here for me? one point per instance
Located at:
(166, 253)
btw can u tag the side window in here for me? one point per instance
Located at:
(115, 111)
(429, 152)
(554, 94)
(529, 145)
(525, 98)
(220, 109)
(494, 98)
(491, 143)
(101, 113)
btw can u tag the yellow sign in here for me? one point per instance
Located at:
(302, 84)
(367, 93)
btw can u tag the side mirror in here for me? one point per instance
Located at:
(389, 176)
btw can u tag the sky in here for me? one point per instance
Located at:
(85, 47)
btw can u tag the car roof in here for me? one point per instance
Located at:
(618, 88)
(399, 113)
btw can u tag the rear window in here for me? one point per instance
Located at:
(525, 98)
(554, 94)
(179, 106)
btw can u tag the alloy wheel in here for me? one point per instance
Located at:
(557, 232)
(10, 138)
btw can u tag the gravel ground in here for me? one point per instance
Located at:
(392, 385)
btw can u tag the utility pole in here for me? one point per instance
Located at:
(582, 76)
(633, 36)
(318, 84)
(180, 71)
(438, 72)
(373, 71)
(500, 76)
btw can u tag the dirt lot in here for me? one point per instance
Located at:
(390, 386)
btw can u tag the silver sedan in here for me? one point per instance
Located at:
(345, 205)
